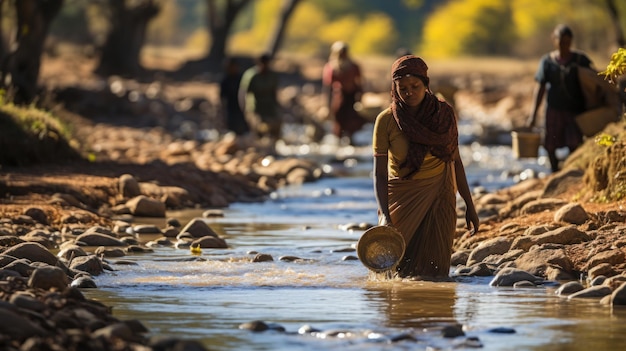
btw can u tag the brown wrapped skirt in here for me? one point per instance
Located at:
(424, 211)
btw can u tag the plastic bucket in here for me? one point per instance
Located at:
(525, 144)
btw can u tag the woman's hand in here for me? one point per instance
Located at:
(471, 220)
(385, 219)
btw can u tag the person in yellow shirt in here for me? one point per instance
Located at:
(418, 171)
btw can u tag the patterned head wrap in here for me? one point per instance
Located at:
(409, 65)
(433, 127)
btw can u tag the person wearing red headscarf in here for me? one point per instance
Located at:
(418, 171)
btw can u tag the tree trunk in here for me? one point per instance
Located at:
(21, 67)
(2, 43)
(220, 25)
(619, 34)
(121, 50)
(279, 31)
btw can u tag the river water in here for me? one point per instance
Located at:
(207, 296)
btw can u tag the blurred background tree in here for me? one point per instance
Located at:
(117, 32)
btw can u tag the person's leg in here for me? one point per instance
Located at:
(554, 135)
(554, 161)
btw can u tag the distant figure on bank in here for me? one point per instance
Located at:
(344, 87)
(557, 73)
(258, 98)
(229, 94)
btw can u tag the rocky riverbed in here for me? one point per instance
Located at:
(62, 223)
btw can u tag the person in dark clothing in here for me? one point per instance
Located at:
(558, 76)
(229, 90)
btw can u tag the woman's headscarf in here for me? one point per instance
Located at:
(433, 127)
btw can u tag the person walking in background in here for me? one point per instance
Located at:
(229, 94)
(557, 74)
(342, 81)
(258, 98)
(418, 171)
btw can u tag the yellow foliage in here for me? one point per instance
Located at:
(616, 67)
(302, 29)
(266, 14)
(198, 42)
(344, 29)
(531, 17)
(376, 34)
(254, 40)
(456, 28)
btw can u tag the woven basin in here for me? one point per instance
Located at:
(380, 248)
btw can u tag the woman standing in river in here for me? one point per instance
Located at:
(417, 171)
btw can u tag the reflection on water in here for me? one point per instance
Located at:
(207, 296)
(416, 305)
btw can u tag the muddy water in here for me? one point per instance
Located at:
(208, 296)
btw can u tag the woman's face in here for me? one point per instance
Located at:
(411, 90)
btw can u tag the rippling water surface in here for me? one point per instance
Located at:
(208, 296)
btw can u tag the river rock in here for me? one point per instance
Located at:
(488, 247)
(459, 257)
(97, 239)
(37, 214)
(171, 232)
(25, 300)
(146, 207)
(510, 276)
(536, 261)
(210, 242)
(571, 213)
(524, 284)
(618, 297)
(42, 237)
(84, 282)
(541, 205)
(128, 186)
(34, 252)
(562, 181)
(109, 252)
(146, 229)
(601, 270)
(597, 280)
(615, 281)
(10, 240)
(67, 252)
(127, 330)
(480, 269)
(591, 292)
(21, 266)
(18, 327)
(569, 288)
(198, 228)
(612, 257)
(564, 235)
(47, 278)
(90, 264)
(261, 257)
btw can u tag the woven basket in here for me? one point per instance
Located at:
(593, 121)
(380, 248)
